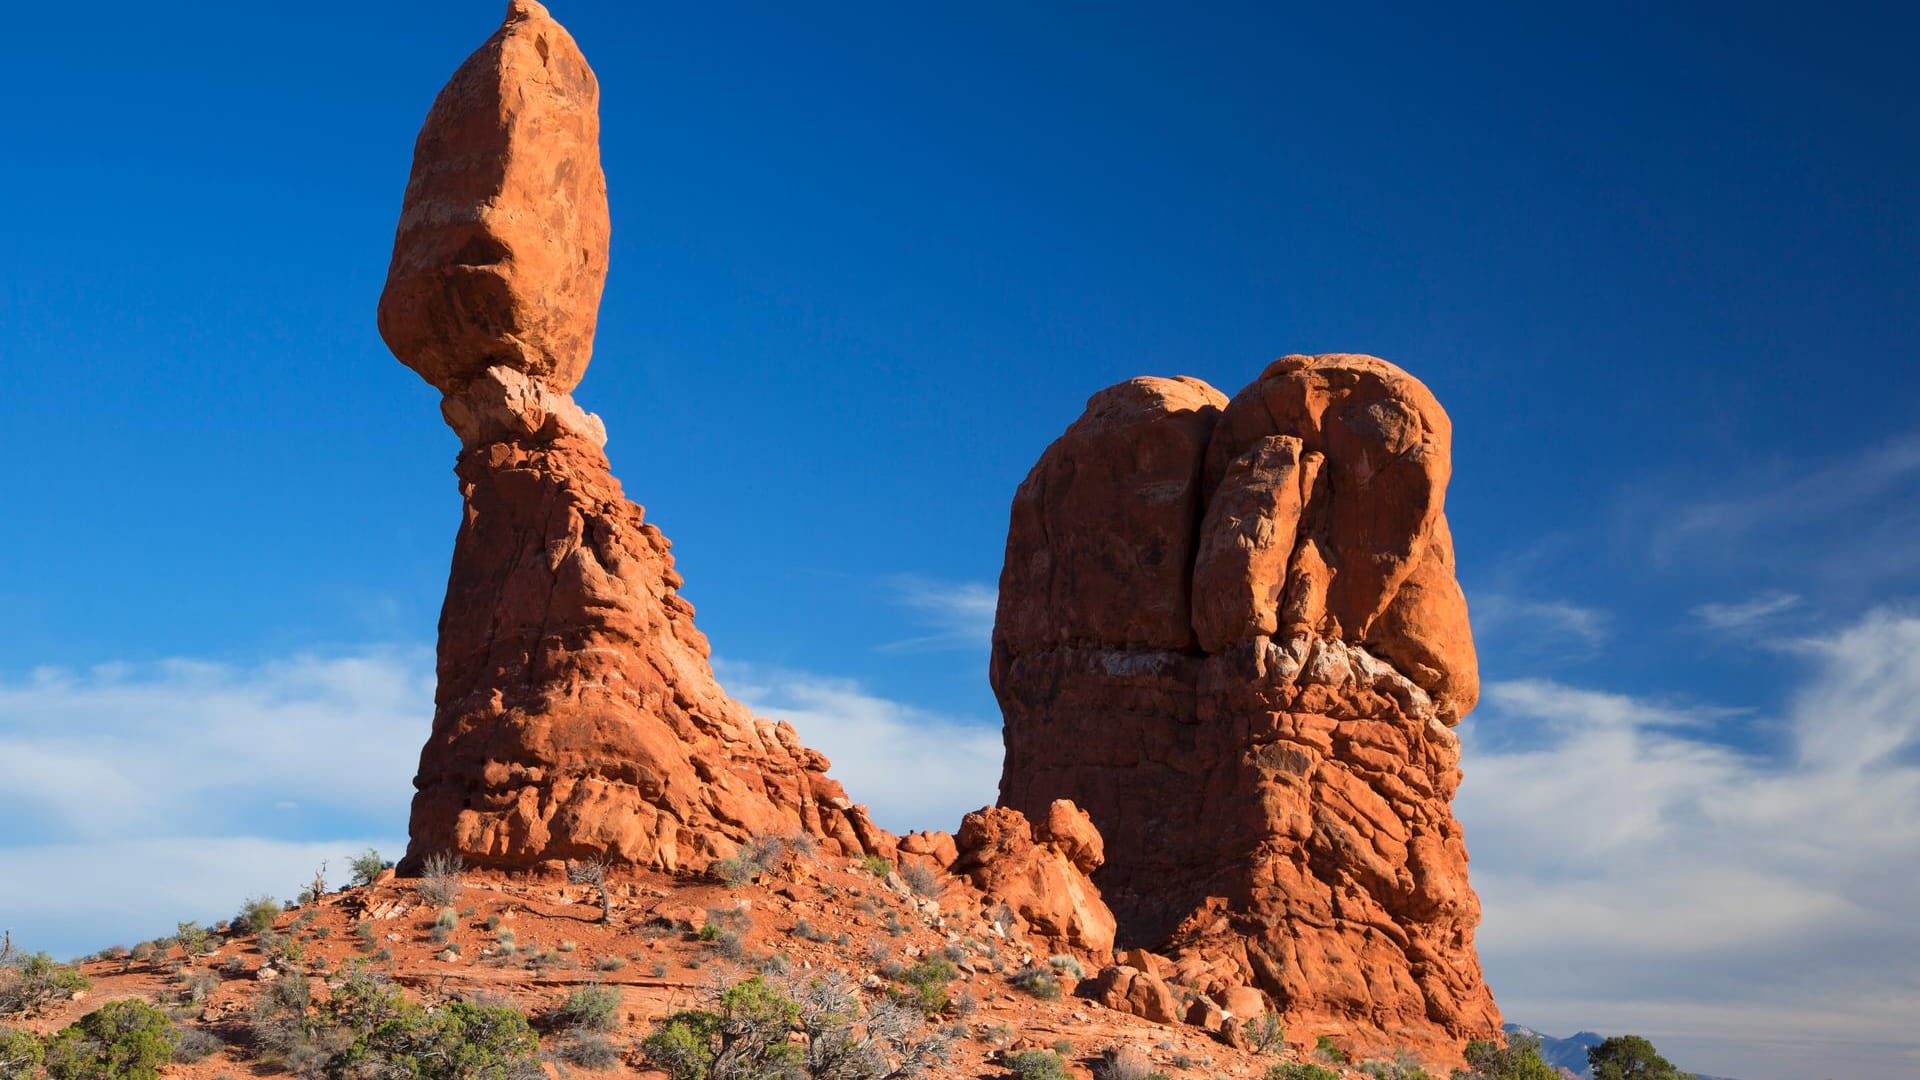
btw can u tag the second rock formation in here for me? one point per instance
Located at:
(1230, 630)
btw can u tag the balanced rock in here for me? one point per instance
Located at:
(501, 252)
(577, 715)
(1230, 630)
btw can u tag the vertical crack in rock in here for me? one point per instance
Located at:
(577, 714)
(1231, 632)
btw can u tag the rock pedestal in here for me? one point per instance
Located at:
(577, 715)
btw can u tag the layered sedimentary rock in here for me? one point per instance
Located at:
(1230, 630)
(577, 714)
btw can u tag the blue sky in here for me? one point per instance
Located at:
(1659, 265)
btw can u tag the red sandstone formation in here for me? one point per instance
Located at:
(1231, 631)
(1039, 869)
(577, 715)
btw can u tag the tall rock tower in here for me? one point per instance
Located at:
(1230, 630)
(577, 714)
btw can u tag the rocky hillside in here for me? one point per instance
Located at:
(962, 990)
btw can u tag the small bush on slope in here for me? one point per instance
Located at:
(591, 1008)
(121, 1040)
(744, 1035)
(257, 915)
(363, 868)
(1301, 1070)
(36, 981)
(20, 1054)
(1036, 1065)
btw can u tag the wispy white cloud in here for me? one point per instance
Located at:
(1534, 625)
(954, 615)
(1745, 614)
(913, 769)
(138, 795)
(1796, 491)
(185, 746)
(1843, 526)
(1640, 874)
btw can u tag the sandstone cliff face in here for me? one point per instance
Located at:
(577, 714)
(1230, 630)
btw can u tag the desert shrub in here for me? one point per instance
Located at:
(1037, 981)
(1301, 1070)
(875, 865)
(458, 1041)
(195, 1044)
(802, 846)
(285, 952)
(922, 880)
(198, 985)
(283, 1027)
(1630, 1057)
(34, 981)
(257, 915)
(610, 963)
(591, 1008)
(1519, 1059)
(1123, 1063)
(743, 1036)
(364, 867)
(194, 939)
(1324, 1049)
(924, 985)
(1264, 1033)
(736, 870)
(440, 879)
(588, 1050)
(121, 1040)
(316, 888)
(594, 872)
(842, 1041)
(1068, 966)
(805, 930)
(770, 853)
(1036, 1065)
(20, 1054)
(1401, 1066)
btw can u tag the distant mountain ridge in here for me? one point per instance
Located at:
(1570, 1053)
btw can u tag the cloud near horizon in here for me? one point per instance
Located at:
(1752, 909)
(206, 782)
(137, 796)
